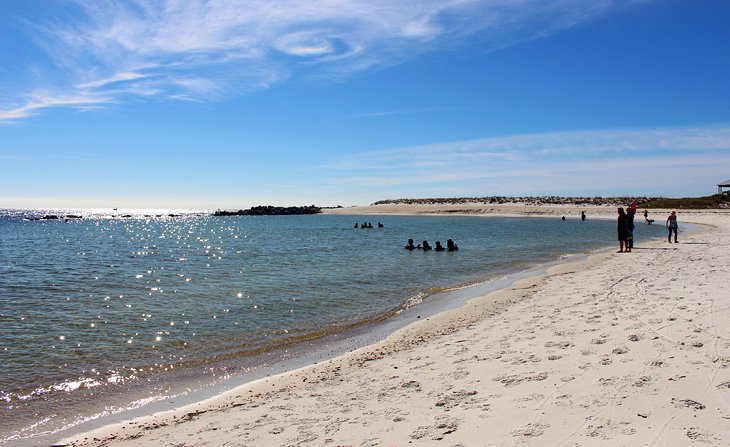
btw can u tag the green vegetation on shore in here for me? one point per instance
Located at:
(694, 203)
(708, 202)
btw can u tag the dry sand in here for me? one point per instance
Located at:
(618, 349)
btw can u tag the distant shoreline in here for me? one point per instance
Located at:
(509, 205)
(714, 201)
(570, 207)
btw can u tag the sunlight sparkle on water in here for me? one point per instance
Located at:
(283, 264)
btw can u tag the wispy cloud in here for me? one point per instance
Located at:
(654, 159)
(40, 101)
(210, 50)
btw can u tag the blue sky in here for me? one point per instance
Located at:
(231, 104)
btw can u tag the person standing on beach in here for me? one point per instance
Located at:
(582, 215)
(672, 227)
(630, 213)
(623, 232)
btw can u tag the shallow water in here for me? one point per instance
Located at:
(92, 308)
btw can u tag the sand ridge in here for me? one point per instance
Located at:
(617, 349)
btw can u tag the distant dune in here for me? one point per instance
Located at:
(707, 202)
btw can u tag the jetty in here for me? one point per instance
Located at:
(272, 211)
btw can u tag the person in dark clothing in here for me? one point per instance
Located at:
(439, 247)
(623, 231)
(672, 227)
(425, 246)
(451, 246)
(410, 245)
(630, 213)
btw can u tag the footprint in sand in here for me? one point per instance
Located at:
(559, 344)
(412, 385)
(516, 379)
(531, 430)
(441, 428)
(689, 403)
(456, 398)
(699, 435)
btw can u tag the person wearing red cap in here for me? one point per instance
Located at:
(630, 213)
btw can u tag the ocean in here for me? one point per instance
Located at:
(106, 314)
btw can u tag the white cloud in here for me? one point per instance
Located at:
(39, 101)
(116, 78)
(548, 147)
(209, 50)
(304, 44)
(668, 160)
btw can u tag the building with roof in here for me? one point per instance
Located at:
(723, 185)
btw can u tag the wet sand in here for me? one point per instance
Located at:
(616, 349)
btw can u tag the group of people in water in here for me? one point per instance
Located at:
(367, 225)
(582, 216)
(425, 246)
(625, 227)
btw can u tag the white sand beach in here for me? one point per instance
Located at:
(629, 349)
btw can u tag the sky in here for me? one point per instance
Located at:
(232, 104)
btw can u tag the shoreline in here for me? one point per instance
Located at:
(570, 211)
(332, 373)
(109, 405)
(341, 345)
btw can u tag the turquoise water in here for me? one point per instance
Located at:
(97, 306)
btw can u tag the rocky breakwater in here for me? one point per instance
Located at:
(271, 211)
